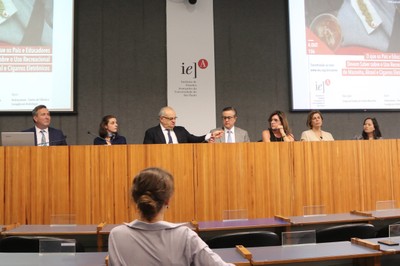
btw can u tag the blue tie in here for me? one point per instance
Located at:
(169, 136)
(229, 136)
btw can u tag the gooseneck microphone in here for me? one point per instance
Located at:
(96, 136)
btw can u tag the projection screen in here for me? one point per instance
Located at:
(345, 54)
(36, 55)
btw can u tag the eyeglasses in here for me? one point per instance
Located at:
(170, 118)
(227, 117)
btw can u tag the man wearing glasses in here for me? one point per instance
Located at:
(167, 133)
(231, 133)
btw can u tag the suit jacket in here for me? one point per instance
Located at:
(155, 135)
(241, 135)
(118, 139)
(56, 136)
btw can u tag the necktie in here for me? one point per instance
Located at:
(229, 136)
(169, 136)
(43, 143)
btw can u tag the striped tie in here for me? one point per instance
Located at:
(43, 143)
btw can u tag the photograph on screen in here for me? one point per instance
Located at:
(36, 52)
(345, 54)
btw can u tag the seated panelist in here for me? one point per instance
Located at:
(108, 132)
(230, 132)
(315, 133)
(371, 129)
(168, 133)
(44, 134)
(278, 128)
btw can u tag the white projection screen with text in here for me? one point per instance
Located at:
(345, 54)
(36, 55)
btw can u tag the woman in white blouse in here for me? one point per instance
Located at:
(315, 133)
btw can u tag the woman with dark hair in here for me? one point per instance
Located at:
(279, 128)
(370, 129)
(108, 132)
(150, 240)
(315, 133)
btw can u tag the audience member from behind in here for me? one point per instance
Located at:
(231, 133)
(315, 133)
(167, 133)
(108, 132)
(150, 240)
(370, 129)
(44, 134)
(278, 128)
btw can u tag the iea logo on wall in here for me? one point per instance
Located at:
(191, 69)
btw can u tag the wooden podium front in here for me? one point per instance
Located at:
(93, 182)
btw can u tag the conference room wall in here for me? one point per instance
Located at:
(121, 69)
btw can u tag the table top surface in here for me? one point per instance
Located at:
(310, 252)
(386, 214)
(59, 259)
(41, 229)
(231, 255)
(329, 218)
(385, 248)
(242, 224)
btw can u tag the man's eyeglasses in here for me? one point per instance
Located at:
(170, 118)
(227, 117)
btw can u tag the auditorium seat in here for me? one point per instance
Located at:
(28, 244)
(345, 232)
(247, 239)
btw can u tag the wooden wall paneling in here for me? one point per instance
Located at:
(136, 162)
(109, 181)
(179, 161)
(17, 185)
(49, 183)
(347, 175)
(224, 179)
(81, 187)
(378, 168)
(2, 185)
(396, 172)
(207, 207)
(273, 173)
(313, 172)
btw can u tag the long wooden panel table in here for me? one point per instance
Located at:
(93, 182)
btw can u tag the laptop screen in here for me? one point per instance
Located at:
(17, 138)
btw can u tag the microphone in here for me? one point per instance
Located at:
(96, 136)
(49, 143)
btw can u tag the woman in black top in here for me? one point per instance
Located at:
(279, 128)
(108, 132)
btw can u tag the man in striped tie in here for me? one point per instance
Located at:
(44, 134)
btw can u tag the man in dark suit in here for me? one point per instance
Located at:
(167, 133)
(44, 134)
